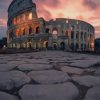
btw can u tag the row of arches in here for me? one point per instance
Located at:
(55, 31)
(23, 31)
(37, 45)
(72, 33)
(55, 45)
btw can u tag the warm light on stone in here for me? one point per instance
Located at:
(30, 16)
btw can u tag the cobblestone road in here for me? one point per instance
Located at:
(49, 75)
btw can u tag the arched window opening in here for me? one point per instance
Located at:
(23, 31)
(30, 30)
(23, 17)
(18, 20)
(81, 35)
(77, 35)
(72, 27)
(55, 46)
(66, 33)
(17, 32)
(62, 46)
(77, 46)
(55, 32)
(47, 30)
(72, 46)
(37, 30)
(72, 34)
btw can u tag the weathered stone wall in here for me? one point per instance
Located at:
(25, 29)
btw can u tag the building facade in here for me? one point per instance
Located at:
(26, 30)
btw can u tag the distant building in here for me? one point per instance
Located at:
(26, 30)
(97, 45)
(3, 42)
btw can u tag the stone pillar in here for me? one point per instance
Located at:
(83, 41)
(50, 42)
(32, 43)
(74, 40)
(69, 36)
(79, 41)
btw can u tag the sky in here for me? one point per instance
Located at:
(86, 10)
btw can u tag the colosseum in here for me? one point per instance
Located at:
(26, 30)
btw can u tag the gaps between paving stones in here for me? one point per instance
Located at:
(82, 90)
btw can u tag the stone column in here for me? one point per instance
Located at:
(69, 36)
(74, 39)
(80, 41)
(50, 42)
(83, 40)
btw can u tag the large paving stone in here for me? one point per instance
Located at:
(71, 70)
(9, 80)
(35, 67)
(49, 76)
(3, 61)
(87, 80)
(36, 61)
(84, 63)
(6, 67)
(66, 91)
(93, 94)
(97, 71)
(16, 63)
(5, 96)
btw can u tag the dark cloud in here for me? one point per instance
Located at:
(90, 3)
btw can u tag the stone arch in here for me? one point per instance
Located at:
(66, 33)
(77, 46)
(29, 43)
(72, 27)
(54, 31)
(55, 46)
(45, 44)
(62, 45)
(72, 34)
(23, 31)
(37, 30)
(47, 30)
(30, 30)
(72, 46)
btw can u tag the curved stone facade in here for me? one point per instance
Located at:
(26, 30)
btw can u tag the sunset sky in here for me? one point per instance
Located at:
(87, 10)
